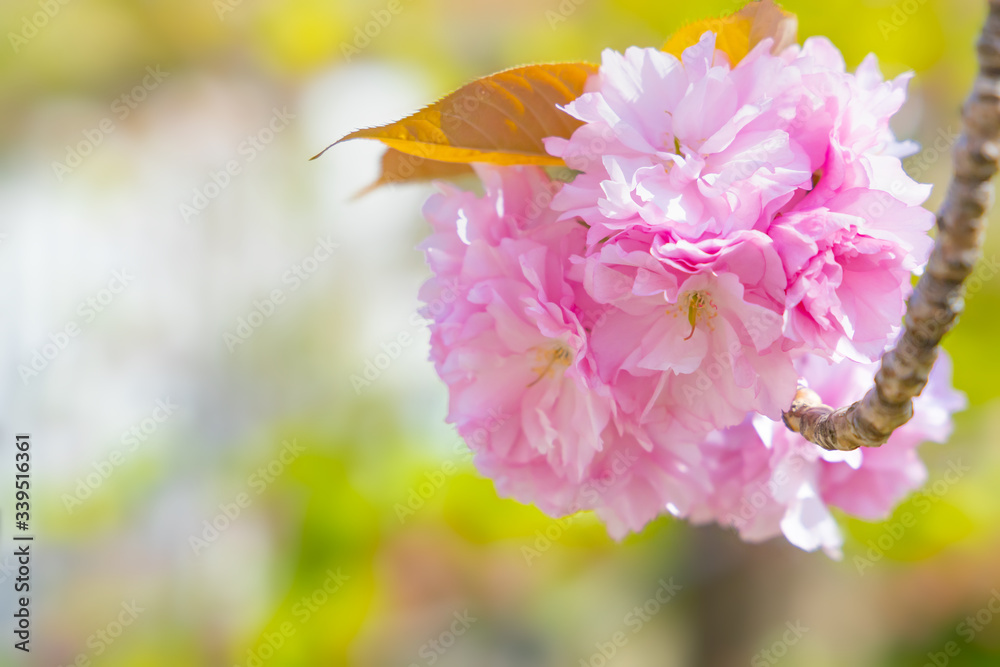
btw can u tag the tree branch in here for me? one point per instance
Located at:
(935, 304)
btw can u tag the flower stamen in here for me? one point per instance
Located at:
(551, 359)
(695, 306)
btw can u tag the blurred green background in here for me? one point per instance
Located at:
(211, 485)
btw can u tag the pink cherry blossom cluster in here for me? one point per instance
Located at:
(731, 231)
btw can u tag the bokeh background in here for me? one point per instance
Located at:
(201, 296)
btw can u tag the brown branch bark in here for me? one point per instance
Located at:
(935, 304)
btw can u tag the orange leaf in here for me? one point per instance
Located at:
(398, 167)
(738, 33)
(499, 119)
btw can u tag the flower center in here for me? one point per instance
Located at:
(696, 306)
(550, 360)
(677, 147)
(669, 139)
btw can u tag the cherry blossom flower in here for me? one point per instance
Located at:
(626, 342)
(768, 481)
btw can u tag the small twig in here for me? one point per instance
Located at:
(938, 298)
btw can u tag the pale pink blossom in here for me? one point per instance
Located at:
(704, 320)
(510, 335)
(693, 150)
(630, 347)
(691, 146)
(849, 260)
(768, 481)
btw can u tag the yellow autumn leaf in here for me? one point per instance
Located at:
(399, 167)
(499, 119)
(738, 33)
